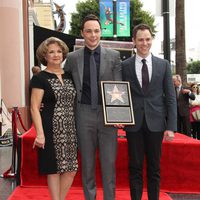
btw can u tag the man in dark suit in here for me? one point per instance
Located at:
(183, 94)
(92, 133)
(154, 105)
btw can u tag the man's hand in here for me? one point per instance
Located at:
(168, 135)
(185, 91)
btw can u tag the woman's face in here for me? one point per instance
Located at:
(194, 88)
(54, 55)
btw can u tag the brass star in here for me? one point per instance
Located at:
(116, 94)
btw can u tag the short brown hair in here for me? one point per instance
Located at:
(141, 27)
(89, 18)
(36, 69)
(43, 48)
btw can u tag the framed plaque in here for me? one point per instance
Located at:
(117, 103)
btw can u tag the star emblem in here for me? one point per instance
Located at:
(116, 94)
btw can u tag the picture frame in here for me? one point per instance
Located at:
(117, 103)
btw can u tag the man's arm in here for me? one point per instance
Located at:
(117, 72)
(170, 96)
(67, 65)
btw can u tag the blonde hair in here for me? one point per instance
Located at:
(43, 48)
(177, 77)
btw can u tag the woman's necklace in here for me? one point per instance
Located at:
(57, 72)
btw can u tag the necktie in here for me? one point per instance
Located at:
(145, 75)
(93, 82)
(177, 92)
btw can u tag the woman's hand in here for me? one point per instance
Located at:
(39, 142)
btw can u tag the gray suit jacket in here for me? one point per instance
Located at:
(110, 67)
(158, 104)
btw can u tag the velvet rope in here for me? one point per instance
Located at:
(20, 119)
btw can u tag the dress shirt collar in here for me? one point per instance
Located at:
(97, 50)
(148, 58)
(179, 87)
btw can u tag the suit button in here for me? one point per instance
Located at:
(80, 90)
(79, 101)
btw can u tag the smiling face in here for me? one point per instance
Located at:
(143, 42)
(91, 33)
(194, 88)
(54, 55)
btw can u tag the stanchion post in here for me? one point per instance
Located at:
(11, 172)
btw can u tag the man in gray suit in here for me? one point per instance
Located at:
(92, 133)
(154, 105)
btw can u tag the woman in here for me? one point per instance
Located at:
(195, 105)
(55, 124)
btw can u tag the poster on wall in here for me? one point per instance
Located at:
(106, 17)
(123, 18)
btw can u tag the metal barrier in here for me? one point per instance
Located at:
(11, 172)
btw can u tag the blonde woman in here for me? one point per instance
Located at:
(55, 125)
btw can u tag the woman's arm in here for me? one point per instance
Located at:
(36, 99)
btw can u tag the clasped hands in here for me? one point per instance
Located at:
(120, 126)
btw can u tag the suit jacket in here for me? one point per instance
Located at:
(183, 102)
(158, 104)
(110, 67)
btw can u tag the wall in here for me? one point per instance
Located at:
(12, 80)
(11, 40)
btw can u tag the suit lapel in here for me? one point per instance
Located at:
(80, 60)
(133, 71)
(154, 66)
(102, 62)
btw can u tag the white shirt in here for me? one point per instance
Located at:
(138, 67)
(196, 101)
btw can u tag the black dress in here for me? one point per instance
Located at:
(60, 152)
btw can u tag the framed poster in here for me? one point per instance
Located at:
(117, 103)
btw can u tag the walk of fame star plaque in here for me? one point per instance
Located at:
(117, 103)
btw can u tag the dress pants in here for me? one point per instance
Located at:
(93, 135)
(183, 125)
(144, 144)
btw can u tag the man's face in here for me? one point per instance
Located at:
(91, 33)
(176, 82)
(143, 42)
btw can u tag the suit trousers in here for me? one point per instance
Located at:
(183, 124)
(144, 144)
(93, 135)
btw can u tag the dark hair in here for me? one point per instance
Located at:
(36, 69)
(193, 84)
(89, 18)
(141, 27)
(43, 48)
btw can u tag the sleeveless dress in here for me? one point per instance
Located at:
(60, 152)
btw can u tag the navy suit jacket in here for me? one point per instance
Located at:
(158, 104)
